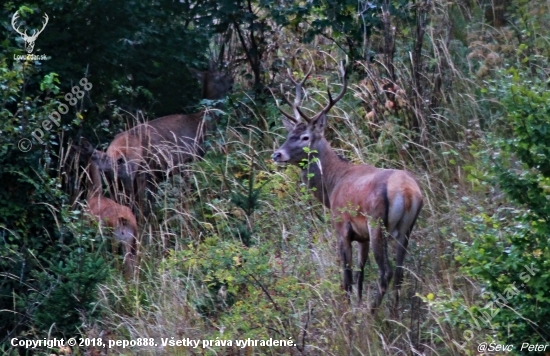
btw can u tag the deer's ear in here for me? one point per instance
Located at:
(319, 123)
(288, 125)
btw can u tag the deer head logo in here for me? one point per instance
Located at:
(29, 40)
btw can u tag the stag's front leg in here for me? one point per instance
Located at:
(346, 256)
(129, 260)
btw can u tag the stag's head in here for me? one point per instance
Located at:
(29, 40)
(309, 133)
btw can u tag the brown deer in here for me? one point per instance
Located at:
(163, 143)
(368, 204)
(118, 217)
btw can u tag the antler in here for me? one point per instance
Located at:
(332, 102)
(297, 97)
(13, 19)
(35, 33)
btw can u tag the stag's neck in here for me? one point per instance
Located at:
(95, 180)
(325, 174)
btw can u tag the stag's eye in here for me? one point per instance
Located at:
(120, 161)
(305, 138)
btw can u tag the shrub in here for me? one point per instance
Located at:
(510, 252)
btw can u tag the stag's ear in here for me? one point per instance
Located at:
(319, 123)
(288, 125)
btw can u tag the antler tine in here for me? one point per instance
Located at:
(298, 96)
(37, 32)
(281, 110)
(299, 85)
(295, 119)
(13, 19)
(45, 23)
(290, 117)
(307, 118)
(303, 80)
(332, 101)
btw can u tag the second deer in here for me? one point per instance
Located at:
(117, 217)
(163, 143)
(368, 205)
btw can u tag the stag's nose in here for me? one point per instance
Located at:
(276, 156)
(280, 156)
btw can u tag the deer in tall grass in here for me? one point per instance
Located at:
(163, 143)
(368, 205)
(112, 215)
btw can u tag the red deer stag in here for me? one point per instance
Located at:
(367, 204)
(113, 215)
(163, 143)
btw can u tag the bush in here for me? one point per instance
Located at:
(510, 252)
(49, 273)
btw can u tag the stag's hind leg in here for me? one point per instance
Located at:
(361, 261)
(401, 246)
(379, 245)
(402, 243)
